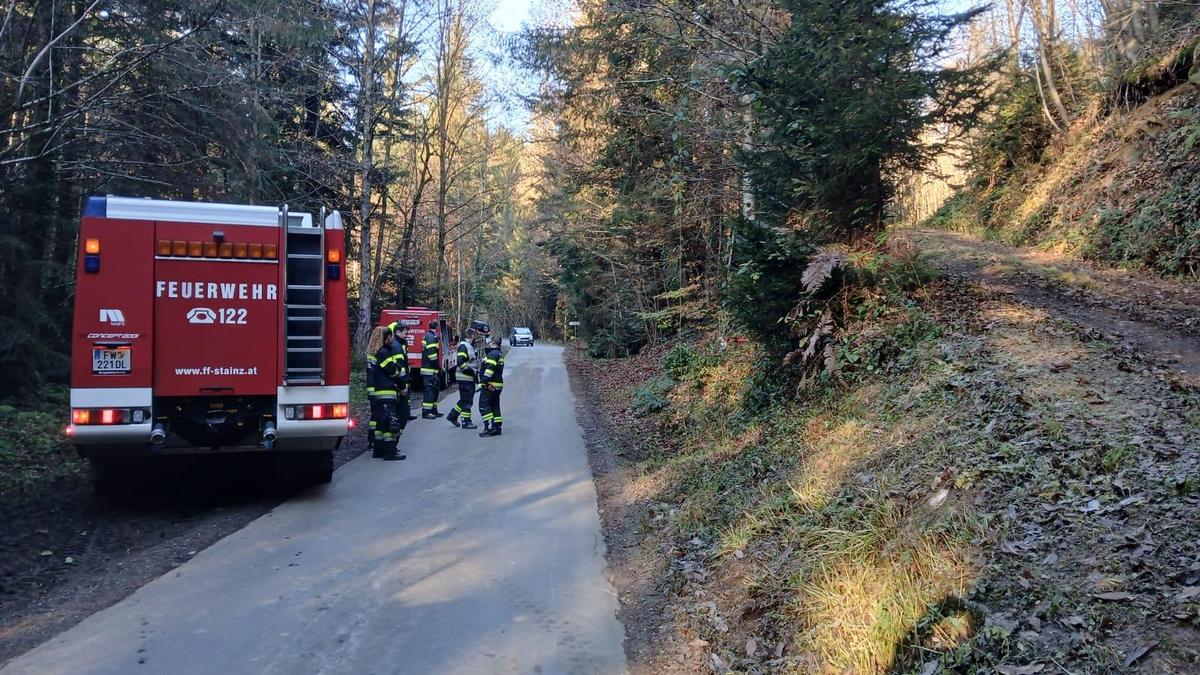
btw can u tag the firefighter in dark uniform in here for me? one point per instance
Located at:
(400, 349)
(492, 382)
(382, 377)
(429, 372)
(372, 365)
(464, 359)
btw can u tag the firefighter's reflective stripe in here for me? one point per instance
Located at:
(371, 365)
(429, 354)
(490, 372)
(462, 358)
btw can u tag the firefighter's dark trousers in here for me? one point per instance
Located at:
(489, 408)
(429, 383)
(387, 430)
(373, 423)
(402, 409)
(466, 396)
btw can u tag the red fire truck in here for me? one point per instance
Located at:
(204, 328)
(416, 322)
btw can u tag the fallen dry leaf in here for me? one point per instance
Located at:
(1022, 670)
(1187, 593)
(1114, 596)
(1138, 652)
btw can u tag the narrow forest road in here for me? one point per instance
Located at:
(473, 556)
(1143, 314)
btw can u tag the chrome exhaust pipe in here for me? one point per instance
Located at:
(269, 434)
(158, 435)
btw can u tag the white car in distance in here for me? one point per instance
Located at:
(521, 336)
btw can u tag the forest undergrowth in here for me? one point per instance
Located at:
(981, 487)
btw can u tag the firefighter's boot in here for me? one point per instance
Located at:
(452, 418)
(468, 424)
(373, 443)
(379, 447)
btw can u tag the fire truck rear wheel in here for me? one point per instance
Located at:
(314, 468)
(112, 478)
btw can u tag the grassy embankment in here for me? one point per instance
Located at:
(967, 493)
(34, 452)
(1123, 187)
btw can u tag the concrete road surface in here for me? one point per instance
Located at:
(476, 555)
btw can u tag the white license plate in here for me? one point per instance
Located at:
(112, 361)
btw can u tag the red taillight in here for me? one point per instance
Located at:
(81, 417)
(317, 411)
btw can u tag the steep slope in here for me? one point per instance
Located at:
(1122, 187)
(991, 489)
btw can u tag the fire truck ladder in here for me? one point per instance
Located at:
(304, 302)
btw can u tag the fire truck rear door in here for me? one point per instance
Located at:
(216, 318)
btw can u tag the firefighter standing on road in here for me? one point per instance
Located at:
(464, 359)
(429, 372)
(372, 366)
(400, 351)
(382, 377)
(492, 382)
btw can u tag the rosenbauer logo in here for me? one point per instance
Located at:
(113, 317)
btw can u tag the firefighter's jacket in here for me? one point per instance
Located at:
(372, 366)
(429, 353)
(493, 369)
(400, 359)
(382, 373)
(464, 359)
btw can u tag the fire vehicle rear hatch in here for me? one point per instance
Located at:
(216, 315)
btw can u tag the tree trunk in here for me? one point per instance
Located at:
(1045, 28)
(366, 112)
